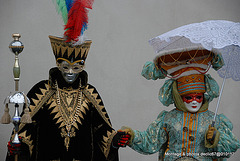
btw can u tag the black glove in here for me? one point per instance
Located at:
(121, 139)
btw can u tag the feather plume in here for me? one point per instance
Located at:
(69, 4)
(77, 19)
(62, 7)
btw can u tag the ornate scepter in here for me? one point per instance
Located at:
(17, 97)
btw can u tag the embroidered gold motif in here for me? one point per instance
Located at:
(96, 102)
(68, 100)
(34, 108)
(69, 107)
(68, 134)
(27, 139)
(106, 141)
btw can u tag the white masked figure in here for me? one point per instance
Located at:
(185, 132)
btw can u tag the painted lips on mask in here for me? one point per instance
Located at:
(193, 102)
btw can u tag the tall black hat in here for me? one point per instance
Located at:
(67, 51)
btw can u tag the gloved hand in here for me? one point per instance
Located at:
(14, 148)
(211, 133)
(121, 139)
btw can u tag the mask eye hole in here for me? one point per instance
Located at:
(76, 68)
(188, 97)
(199, 97)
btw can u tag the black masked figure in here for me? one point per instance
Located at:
(70, 122)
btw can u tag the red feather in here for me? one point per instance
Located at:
(77, 17)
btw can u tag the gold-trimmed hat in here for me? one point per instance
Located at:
(62, 49)
(182, 58)
(191, 84)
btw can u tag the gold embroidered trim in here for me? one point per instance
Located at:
(69, 106)
(110, 134)
(93, 98)
(39, 103)
(27, 140)
(42, 99)
(107, 141)
(68, 134)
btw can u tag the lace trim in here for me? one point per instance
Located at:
(210, 34)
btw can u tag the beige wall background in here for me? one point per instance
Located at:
(120, 31)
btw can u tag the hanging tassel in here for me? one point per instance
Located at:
(26, 118)
(6, 118)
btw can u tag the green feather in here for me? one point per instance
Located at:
(61, 7)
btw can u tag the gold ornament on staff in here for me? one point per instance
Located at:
(17, 97)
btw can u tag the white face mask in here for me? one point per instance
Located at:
(193, 106)
(193, 102)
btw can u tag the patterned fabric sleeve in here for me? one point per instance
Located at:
(151, 140)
